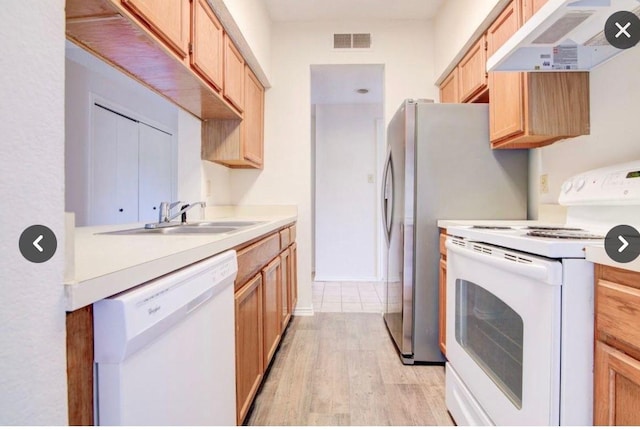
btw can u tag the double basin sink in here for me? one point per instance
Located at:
(197, 227)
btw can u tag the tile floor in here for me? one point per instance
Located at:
(347, 296)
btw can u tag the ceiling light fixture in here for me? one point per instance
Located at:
(362, 91)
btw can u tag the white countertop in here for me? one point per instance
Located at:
(109, 264)
(598, 255)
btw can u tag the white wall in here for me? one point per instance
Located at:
(454, 24)
(615, 128)
(254, 22)
(33, 389)
(198, 180)
(86, 75)
(346, 241)
(286, 178)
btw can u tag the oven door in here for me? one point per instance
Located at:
(503, 335)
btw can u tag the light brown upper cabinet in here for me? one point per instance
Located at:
(207, 44)
(233, 74)
(169, 19)
(449, 89)
(252, 130)
(529, 110)
(238, 144)
(149, 41)
(530, 7)
(473, 72)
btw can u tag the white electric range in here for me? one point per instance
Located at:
(519, 325)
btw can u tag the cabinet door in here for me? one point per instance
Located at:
(233, 74)
(113, 188)
(506, 89)
(285, 258)
(530, 7)
(271, 304)
(252, 132)
(249, 344)
(207, 40)
(155, 173)
(293, 275)
(472, 71)
(617, 387)
(449, 88)
(442, 306)
(169, 19)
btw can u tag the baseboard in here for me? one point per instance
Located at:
(303, 312)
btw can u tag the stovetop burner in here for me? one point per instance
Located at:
(492, 227)
(564, 234)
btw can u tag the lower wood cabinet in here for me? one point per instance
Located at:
(271, 308)
(442, 294)
(285, 260)
(617, 350)
(249, 344)
(617, 387)
(266, 294)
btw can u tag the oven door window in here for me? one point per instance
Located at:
(491, 333)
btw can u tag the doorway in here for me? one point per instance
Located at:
(347, 108)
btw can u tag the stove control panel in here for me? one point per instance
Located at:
(613, 185)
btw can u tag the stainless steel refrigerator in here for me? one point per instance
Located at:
(439, 165)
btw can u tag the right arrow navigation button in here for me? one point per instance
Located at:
(622, 243)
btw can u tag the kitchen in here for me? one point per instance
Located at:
(34, 345)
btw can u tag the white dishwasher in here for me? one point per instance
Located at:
(165, 351)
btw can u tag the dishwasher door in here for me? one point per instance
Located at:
(165, 351)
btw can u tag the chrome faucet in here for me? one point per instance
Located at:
(165, 217)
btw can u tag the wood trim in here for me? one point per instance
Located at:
(79, 327)
(443, 247)
(442, 306)
(618, 276)
(244, 293)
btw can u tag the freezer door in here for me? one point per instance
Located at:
(398, 294)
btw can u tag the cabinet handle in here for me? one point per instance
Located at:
(120, 210)
(154, 208)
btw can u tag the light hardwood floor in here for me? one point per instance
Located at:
(342, 369)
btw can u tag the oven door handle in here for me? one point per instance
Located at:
(530, 270)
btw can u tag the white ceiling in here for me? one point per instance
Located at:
(338, 10)
(337, 83)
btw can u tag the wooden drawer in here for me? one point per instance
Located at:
(292, 233)
(254, 257)
(618, 311)
(285, 238)
(443, 248)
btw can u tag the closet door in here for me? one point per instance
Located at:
(155, 173)
(113, 192)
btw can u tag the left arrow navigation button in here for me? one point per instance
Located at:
(38, 243)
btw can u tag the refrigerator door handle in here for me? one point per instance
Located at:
(387, 197)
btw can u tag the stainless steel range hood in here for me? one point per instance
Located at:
(564, 35)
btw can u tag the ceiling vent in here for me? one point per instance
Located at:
(352, 41)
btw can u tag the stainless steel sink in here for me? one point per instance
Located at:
(224, 223)
(200, 227)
